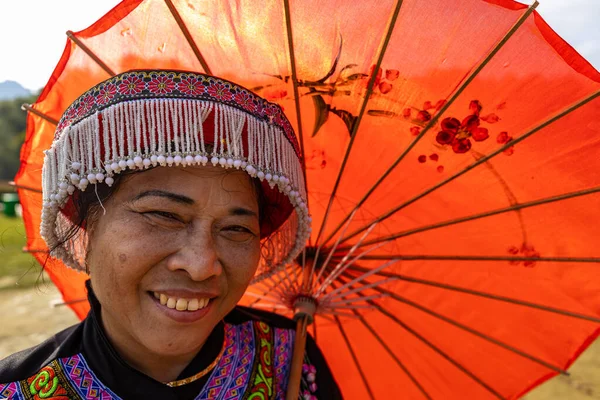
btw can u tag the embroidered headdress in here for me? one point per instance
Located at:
(144, 119)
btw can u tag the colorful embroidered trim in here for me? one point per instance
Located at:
(255, 365)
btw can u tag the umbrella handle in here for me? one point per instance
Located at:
(293, 388)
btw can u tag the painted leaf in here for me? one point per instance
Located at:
(347, 117)
(321, 113)
(382, 113)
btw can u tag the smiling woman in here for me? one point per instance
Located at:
(171, 251)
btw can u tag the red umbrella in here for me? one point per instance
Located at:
(451, 153)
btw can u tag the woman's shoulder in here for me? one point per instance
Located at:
(29, 362)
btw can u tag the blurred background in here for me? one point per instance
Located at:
(33, 38)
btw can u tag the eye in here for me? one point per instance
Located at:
(162, 214)
(237, 233)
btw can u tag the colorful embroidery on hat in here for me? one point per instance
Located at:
(170, 84)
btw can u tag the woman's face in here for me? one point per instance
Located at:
(172, 255)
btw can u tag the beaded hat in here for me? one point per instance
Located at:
(144, 119)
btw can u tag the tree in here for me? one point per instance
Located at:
(12, 134)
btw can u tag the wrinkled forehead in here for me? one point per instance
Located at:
(201, 186)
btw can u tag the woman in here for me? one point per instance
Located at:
(170, 251)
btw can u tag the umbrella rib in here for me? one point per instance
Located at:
(471, 330)
(473, 217)
(370, 86)
(439, 351)
(477, 163)
(290, 40)
(29, 108)
(90, 53)
(354, 358)
(482, 294)
(22, 187)
(443, 109)
(421, 257)
(394, 357)
(188, 36)
(389, 351)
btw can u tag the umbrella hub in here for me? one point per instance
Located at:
(305, 307)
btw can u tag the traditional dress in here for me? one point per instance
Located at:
(255, 350)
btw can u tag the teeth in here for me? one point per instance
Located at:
(181, 304)
(171, 302)
(192, 305)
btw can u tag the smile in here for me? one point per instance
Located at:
(181, 304)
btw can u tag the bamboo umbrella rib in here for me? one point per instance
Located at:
(188, 36)
(477, 163)
(482, 294)
(370, 86)
(290, 40)
(29, 108)
(473, 217)
(471, 330)
(90, 53)
(442, 110)
(394, 357)
(389, 351)
(439, 351)
(22, 187)
(420, 257)
(331, 252)
(354, 358)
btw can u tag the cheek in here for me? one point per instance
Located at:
(118, 260)
(240, 263)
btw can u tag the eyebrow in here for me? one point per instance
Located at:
(244, 212)
(238, 211)
(167, 195)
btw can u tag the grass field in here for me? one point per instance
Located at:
(17, 269)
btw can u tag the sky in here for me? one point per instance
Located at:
(577, 21)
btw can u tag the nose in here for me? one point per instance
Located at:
(197, 256)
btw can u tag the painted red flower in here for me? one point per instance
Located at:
(450, 124)
(503, 138)
(423, 116)
(106, 94)
(527, 251)
(272, 94)
(470, 123)
(445, 137)
(191, 86)
(161, 84)
(220, 91)
(385, 87)
(480, 134)
(415, 130)
(132, 85)
(392, 74)
(461, 146)
(406, 112)
(475, 107)
(377, 78)
(490, 118)
(245, 101)
(440, 104)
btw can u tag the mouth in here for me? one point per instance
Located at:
(181, 304)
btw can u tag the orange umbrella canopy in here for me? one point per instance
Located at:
(451, 153)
